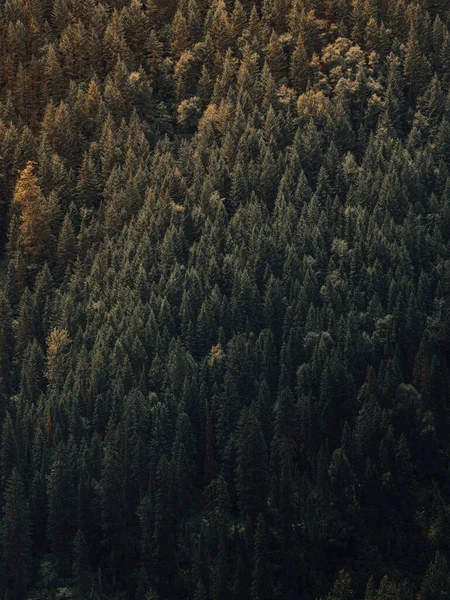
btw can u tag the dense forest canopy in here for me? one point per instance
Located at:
(224, 306)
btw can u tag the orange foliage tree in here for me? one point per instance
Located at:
(29, 228)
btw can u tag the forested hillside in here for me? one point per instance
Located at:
(225, 315)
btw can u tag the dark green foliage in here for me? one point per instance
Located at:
(262, 587)
(16, 537)
(80, 565)
(224, 316)
(251, 468)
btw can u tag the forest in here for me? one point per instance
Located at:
(225, 299)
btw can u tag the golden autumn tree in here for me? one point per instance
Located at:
(58, 354)
(29, 228)
(180, 35)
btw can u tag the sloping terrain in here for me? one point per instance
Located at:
(225, 322)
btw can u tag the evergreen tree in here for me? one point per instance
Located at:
(251, 468)
(66, 250)
(61, 510)
(80, 566)
(300, 69)
(16, 536)
(276, 58)
(262, 586)
(32, 233)
(6, 346)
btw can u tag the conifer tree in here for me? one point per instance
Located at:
(262, 586)
(61, 510)
(251, 468)
(16, 536)
(58, 352)
(80, 566)
(32, 231)
(6, 345)
(276, 58)
(300, 69)
(66, 250)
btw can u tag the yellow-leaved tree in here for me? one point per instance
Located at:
(29, 229)
(58, 354)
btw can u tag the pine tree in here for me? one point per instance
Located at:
(276, 58)
(58, 354)
(220, 576)
(251, 469)
(342, 588)
(164, 536)
(16, 537)
(10, 458)
(115, 534)
(66, 250)
(436, 582)
(61, 510)
(200, 592)
(180, 34)
(300, 66)
(54, 75)
(262, 586)
(80, 566)
(32, 373)
(6, 346)
(416, 67)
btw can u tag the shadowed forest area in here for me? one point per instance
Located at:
(225, 316)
